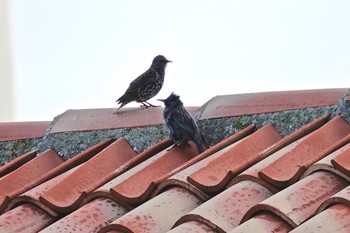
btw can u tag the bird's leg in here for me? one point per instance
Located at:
(144, 105)
(151, 105)
(179, 143)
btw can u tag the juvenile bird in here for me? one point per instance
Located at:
(180, 124)
(147, 85)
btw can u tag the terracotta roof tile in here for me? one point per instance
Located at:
(179, 175)
(111, 188)
(265, 102)
(95, 119)
(27, 176)
(17, 162)
(299, 201)
(22, 130)
(276, 151)
(342, 197)
(220, 171)
(24, 218)
(287, 169)
(265, 223)
(225, 211)
(139, 186)
(56, 175)
(342, 161)
(32, 196)
(192, 227)
(334, 219)
(149, 217)
(327, 164)
(127, 170)
(67, 195)
(89, 218)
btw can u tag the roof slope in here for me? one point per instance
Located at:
(277, 162)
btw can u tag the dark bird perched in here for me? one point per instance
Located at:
(147, 85)
(180, 124)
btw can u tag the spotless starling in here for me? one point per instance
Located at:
(147, 85)
(180, 124)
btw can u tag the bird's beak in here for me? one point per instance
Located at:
(161, 100)
(168, 61)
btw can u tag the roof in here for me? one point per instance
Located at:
(277, 162)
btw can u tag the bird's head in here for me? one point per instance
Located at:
(160, 62)
(172, 100)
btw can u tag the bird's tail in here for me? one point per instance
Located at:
(200, 148)
(122, 101)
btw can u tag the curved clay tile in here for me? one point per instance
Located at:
(17, 162)
(25, 218)
(225, 211)
(32, 196)
(299, 201)
(327, 162)
(276, 151)
(214, 176)
(288, 169)
(342, 197)
(27, 176)
(158, 214)
(334, 219)
(179, 176)
(265, 222)
(56, 175)
(67, 195)
(89, 218)
(192, 227)
(138, 187)
(127, 170)
(342, 162)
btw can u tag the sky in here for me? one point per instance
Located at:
(83, 54)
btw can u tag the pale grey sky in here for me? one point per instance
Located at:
(83, 53)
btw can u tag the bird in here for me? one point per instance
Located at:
(147, 85)
(181, 126)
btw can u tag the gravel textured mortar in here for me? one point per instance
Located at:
(68, 144)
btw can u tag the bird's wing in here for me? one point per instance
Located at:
(135, 85)
(183, 124)
(142, 80)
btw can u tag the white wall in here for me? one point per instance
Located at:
(6, 68)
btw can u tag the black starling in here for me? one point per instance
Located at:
(147, 85)
(181, 126)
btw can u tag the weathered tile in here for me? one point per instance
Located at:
(226, 210)
(96, 119)
(220, 171)
(263, 223)
(22, 130)
(67, 195)
(334, 219)
(288, 169)
(139, 186)
(157, 215)
(299, 202)
(24, 218)
(192, 227)
(179, 176)
(27, 176)
(276, 151)
(17, 162)
(89, 218)
(266, 102)
(327, 164)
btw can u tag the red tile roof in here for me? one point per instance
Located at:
(253, 179)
